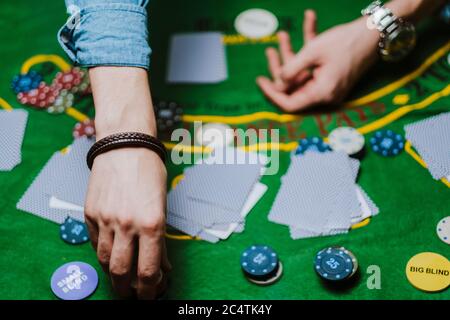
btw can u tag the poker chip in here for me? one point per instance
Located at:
(68, 80)
(26, 82)
(85, 85)
(260, 265)
(41, 97)
(214, 135)
(335, 264)
(73, 231)
(271, 280)
(256, 23)
(168, 115)
(387, 143)
(428, 271)
(445, 13)
(62, 102)
(315, 144)
(85, 128)
(74, 281)
(346, 139)
(443, 229)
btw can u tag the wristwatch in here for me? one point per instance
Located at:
(397, 37)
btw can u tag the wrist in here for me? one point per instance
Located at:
(122, 101)
(366, 39)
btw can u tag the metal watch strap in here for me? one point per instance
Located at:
(382, 18)
(126, 140)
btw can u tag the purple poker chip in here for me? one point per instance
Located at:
(74, 281)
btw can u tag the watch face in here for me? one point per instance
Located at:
(399, 43)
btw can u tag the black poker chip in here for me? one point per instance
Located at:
(168, 115)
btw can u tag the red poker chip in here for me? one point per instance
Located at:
(86, 128)
(69, 79)
(41, 97)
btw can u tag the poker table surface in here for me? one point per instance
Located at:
(388, 96)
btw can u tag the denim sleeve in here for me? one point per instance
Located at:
(102, 32)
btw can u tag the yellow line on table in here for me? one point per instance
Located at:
(77, 115)
(41, 58)
(263, 115)
(5, 105)
(415, 156)
(180, 237)
(377, 94)
(400, 112)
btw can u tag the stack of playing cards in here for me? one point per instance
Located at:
(12, 130)
(215, 196)
(60, 188)
(431, 139)
(197, 58)
(319, 196)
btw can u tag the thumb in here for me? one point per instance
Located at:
(302, 61)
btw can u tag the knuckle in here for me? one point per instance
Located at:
(118, 270)
(106, 218)
(103, 258)
(125, 222)
(148, 274)
(153, 226)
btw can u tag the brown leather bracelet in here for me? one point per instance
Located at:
(126, 140)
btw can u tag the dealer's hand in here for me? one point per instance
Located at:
(126, 200)
(324, 70)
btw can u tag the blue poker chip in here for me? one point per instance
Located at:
(335, 264)
(259, 262)
(73, 231)
(26, 82)
(387, 143)
(315, 144)
(74, 281)
(445, 13)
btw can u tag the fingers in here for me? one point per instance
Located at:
(93, 231)
(305, 97)
(104, 247)
(149, 261)
(302, 61)
(165, 263)
(274, 64)
(309, 26)
(285, 46)
(121, 262)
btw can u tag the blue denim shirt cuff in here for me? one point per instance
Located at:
(107, 33)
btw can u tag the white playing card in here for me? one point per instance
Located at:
(56, 203)
(197, 58)
(255, 195)
(12, 130)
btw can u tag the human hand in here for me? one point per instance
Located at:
(125, 210)
(324, 70)
(126, 198)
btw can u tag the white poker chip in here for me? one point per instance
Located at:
(443, 229)
(256, 23)
(346, 139)
(214, 135)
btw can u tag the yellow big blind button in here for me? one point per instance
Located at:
(428, 271)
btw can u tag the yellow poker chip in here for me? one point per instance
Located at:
(428, 271)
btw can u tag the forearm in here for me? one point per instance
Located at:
(122, 100)
(414, 10)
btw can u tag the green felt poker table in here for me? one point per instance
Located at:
(388, 96)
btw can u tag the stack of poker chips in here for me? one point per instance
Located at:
(335, 264)
(261, 265)
(55, 98)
